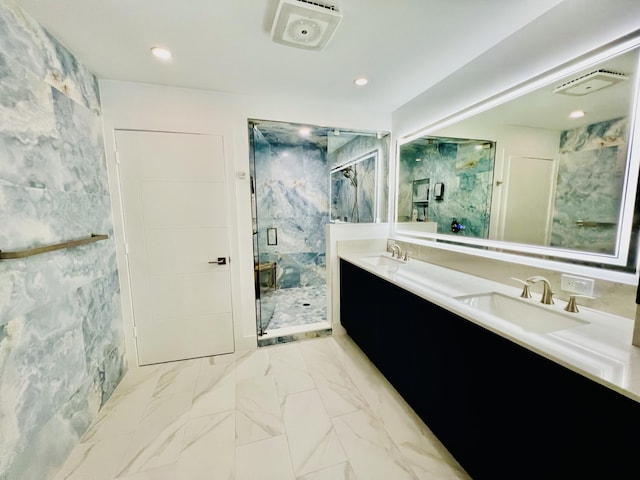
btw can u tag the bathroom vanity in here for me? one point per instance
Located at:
(506, 401)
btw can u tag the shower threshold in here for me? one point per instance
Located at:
(275, 336)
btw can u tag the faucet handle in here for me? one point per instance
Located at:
(572, 306)
(526, 293)
(405, 257)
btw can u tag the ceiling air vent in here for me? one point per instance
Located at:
(591, 82)
(304, 24)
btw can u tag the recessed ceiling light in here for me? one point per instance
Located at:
(162, 53)
(361, 81)
(577, 114)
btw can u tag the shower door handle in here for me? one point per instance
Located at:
(220, 261)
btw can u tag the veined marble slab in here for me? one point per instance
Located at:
(28, 43)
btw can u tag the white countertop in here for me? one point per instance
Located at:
(601, 349)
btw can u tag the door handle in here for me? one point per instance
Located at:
(220, 261)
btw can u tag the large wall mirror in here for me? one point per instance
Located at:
(548, 168)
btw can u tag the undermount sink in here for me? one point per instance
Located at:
(530, 316)
(382, 260)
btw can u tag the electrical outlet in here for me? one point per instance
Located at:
(579, 285)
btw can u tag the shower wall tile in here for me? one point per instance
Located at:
(467, 175)
(589, 185)
(48, 140)
(66, 427)
(298, 269)
(299, 233)
(34, 217)
(26, 42)
(61, 339)
(292, 196)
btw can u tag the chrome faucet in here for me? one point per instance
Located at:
(396, 251)
(547, 294)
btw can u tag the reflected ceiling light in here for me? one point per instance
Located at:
(379, 135)
(577, 114)
(304, 132)
(336, 132)
(418, 159)
(361, 81)
(162, 53)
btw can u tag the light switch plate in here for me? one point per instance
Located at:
(579, 285)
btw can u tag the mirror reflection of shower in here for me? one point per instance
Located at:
(352, 174)
(294, 195)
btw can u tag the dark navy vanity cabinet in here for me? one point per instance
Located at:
(503, 411)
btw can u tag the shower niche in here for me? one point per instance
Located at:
(302, 178)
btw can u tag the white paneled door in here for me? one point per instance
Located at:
(528, 208)
(177, 240)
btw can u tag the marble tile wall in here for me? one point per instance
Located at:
(589, 186)
(61, 339)
(292, 195)
(467, 174)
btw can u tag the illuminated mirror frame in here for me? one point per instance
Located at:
(551, 257)
(338, 170)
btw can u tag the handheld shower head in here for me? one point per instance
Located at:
(351, 174)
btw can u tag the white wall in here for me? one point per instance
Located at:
(355, 237)
(151, 107)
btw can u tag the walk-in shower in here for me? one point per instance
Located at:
(294, 197)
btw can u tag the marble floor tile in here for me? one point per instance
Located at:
(264, 460)
(259, 414)
(252, 364)
(177, 377)
(310, 410)
(208, 451)
(167, 472)
(289, 370)
(337, 389)
(215, 388)
(123, 412)
(158, 438)
(370, 449)
(342, 471)
(97, 460)
(313, 442)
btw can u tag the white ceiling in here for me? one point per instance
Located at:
(402, 46)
